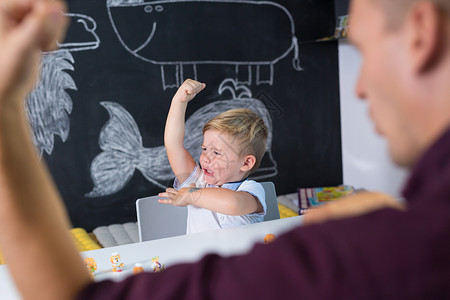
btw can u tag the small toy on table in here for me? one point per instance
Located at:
(269, 238)
(138, 268)
(156, 265)
(91, 265)
(117, 264)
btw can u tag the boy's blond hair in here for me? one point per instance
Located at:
(246, 128)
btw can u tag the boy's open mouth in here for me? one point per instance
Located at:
(207, 172)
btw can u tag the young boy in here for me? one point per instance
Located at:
(216, 189)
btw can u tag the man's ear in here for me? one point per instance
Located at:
(425, 36)
(249, 162)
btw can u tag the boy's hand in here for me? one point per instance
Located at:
(187, 91)
(181, 197)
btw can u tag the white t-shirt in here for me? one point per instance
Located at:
(201, 219)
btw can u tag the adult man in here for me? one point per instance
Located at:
(381, 253)
(33, 225)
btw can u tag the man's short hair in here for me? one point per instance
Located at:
(246, 128)
(397, 9)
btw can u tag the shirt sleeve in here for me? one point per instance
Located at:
(256, 189)
(334, 260)
(196, 177)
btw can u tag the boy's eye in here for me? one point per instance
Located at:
(203, 149)
(216, 153)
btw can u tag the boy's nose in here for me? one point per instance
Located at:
(206, 157)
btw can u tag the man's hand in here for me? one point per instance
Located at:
(351, 206)
(27, 27)
(187, 91)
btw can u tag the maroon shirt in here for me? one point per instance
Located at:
(385, 254)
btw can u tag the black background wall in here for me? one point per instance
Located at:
(113, 101)
(341, 7)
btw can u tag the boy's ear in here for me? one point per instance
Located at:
(249, 162)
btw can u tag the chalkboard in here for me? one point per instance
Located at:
(342, 7)
(99, 109)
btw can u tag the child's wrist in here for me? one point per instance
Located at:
(194, 193)
(179, 101)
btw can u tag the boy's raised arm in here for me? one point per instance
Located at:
(180, 159)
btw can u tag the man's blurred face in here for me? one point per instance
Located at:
(384, 77)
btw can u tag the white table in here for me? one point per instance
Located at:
(186, 248)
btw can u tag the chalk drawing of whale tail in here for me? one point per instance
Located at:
(123, 152)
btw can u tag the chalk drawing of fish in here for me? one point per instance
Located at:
(123, 153)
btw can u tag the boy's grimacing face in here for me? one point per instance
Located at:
(220, 159)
